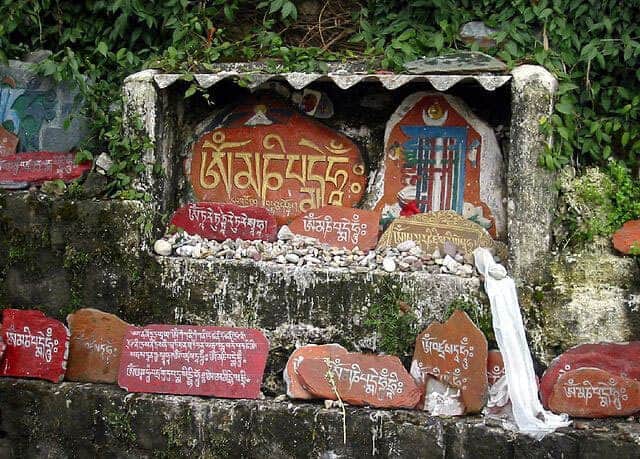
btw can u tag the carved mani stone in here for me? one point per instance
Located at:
(439, 156)
(361, 379)
(222, 221)
(595, 393)
(339, 226)
(193, 360)
(37, 346)
(310, 351)
(265, 153)
(96, 345)
(456, 353)
(35, 168)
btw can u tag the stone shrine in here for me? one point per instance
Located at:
(37, 346)
(439, 156)
(193, 360)
(265, 153)
(96, 345)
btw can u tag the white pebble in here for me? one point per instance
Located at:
(162, 247)
(389, 265)
(405, 246)
(292, 258)
(285, 234)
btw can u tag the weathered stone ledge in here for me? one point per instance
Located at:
(40, 419)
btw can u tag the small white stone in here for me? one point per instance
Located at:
(285, 234)
(389, 265)
(405, 246)
(450, 264)
(185, 250)
(292, 258)
(162, 247)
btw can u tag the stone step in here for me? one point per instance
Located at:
(39, 419)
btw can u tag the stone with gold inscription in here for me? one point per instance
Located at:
(438, 155)
(96, 344)
(432, 230)
(265, 153)
(595, 393)
(456, 353)
(339, 226)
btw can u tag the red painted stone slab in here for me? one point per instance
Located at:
(311, 351)
(37, 346)
(193, 360)
(595, 393)
(439, 156)
(456, 353)
(265, 153)
(495, 367)
(620, 359)
(39, 167)
(222, 221)
(361, 379)
(628, 236)
(342, 227)
(8, 143)
(96, 345)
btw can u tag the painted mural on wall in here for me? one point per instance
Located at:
(265, 153)
(439, 156)
(36, 114)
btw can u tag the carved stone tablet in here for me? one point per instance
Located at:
(340, 227)
(595, 393)
(96, 345)
(37, 346)
(221, 221)
(456, 353)
(264, 153)
(193, 360)
(361, 379)
(39, 167)
(439, 156)
(627, 237)
(620, 359)
(433, 229)
(311, 351)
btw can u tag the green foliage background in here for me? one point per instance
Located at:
(592, 46)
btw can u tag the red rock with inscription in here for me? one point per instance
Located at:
(37, 346)
(342, 227)
(379, 381)
(193, 360)
(96, 345)
(620, 359)
(456, 353)
(627, 237)
(310, 351)
(495, 367)
(222, 221)
(595, 393)
(265, 153)
(39, 167)
(8, 143)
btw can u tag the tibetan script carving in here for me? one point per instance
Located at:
(269, 155)
(193, 360)
(39, 167)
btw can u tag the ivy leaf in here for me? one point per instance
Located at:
(565, 107)
(102, 48)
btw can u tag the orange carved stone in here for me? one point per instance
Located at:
(627, 237)
(264, 153)
(311, 351)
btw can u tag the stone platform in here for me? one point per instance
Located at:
(40, 419)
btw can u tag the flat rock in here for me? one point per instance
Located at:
(361, 379)
(265, 153)
(221, 221)
(595, 393)
(478, 32)
(439, 156)
(96, 346)
(459, 62)
(495, 367)
(342, 227)
(433, 229)
(620, 359)
(36, 168)
(37, 346)
(310, 351)
(627, 237)
(193, 360)
(456, 353)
